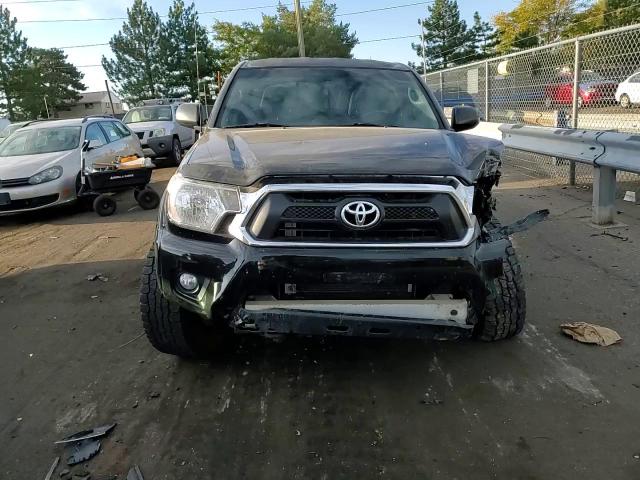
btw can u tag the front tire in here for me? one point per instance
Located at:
(176, 152)
(505, 307)
(169, 328)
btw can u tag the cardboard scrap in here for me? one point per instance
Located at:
(589, 333)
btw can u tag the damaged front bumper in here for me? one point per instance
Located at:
(429, 292)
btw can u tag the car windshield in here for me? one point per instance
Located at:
(9, 129)
(148, 114)
(588, 76)
(41, 140)
(297, 97)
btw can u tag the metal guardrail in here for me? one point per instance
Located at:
(606, 152)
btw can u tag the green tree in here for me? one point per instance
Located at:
(49, 74)
(603, 15)
(13, 57)
(532, 23)
(180, 32)
(237, 43)
(446, 36)
(483, 37)
(276, 36)
(138, 68)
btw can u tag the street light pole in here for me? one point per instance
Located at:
(424, 58)
(299, 27)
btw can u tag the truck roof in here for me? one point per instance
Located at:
(323, 62)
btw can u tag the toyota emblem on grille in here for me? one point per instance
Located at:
(360, 214)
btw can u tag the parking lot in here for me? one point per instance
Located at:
(536, 407)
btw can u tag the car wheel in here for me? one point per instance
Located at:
(580, 101)
(625, 101)
(170, 328)
(176, 152)
(104, 205)
(505, 307)
(147, 198)
(548, 102)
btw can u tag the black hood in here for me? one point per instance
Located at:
(244, 156)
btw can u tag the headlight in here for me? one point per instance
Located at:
(46, 175)
(200, 205)
(158, 132)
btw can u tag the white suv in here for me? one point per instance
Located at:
(161, 136)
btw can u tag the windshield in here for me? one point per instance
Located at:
(9, 129)
(148, 114)
(326, 97)
(588, 76)
(41, 140)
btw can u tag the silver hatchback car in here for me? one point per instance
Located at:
(40, 162)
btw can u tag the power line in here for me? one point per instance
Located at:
(109, 19)
(392, 7)
(39, 1)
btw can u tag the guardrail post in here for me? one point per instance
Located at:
(577, 75)
(486, 91)
(604, 195)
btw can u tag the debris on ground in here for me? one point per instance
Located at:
(135, 473)
(52, 469)
(589, 333)
(88, 434)
(430, 400)
(97, 276)
(630, 196)
(525, 223)
(84, 445)
(609, 234)
(82, 451)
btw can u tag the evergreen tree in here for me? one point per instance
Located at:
(48, 74)
(180, 32)
(139, 67)
(483, 38)
(447, 39)
(13, 57)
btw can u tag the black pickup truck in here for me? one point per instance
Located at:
(330, 197)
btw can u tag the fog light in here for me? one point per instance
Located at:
(162, 145)
(189, 282)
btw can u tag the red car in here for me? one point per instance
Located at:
(594, 89)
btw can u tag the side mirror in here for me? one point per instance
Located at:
(464, 118)
(188, 115)
(89, 145)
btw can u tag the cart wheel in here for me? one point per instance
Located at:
(148, 199)
(104, 205)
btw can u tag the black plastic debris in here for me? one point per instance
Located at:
(84, 445)
(135, 473)
(526, 222)
(88, 434)
(81, 451)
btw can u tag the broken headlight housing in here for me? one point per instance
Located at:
(200, 206)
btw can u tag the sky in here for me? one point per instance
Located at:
(368, 26)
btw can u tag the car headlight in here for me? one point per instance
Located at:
(199, 205)
(47, 175)
(158, 132)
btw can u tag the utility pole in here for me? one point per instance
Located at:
(195, 39)
(424, 58)
(113, 111)
(299, 27)
(46, 107)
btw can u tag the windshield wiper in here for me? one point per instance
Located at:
(367, 124)
(255, 125)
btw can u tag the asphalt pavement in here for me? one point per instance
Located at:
(540, 406)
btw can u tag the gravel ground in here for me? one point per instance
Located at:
(538, 407)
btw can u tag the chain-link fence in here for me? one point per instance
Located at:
(590, 82)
